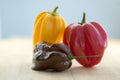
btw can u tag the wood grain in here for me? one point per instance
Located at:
(16, 62)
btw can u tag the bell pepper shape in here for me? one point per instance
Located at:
(86, 39)
(48, 27)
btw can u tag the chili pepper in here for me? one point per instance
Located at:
(48, 27)
(86, 39)
(53, 56)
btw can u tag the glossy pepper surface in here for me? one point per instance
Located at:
(51, 56)
(48, 27)
(86, 39)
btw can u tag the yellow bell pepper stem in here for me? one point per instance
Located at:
(54, 11)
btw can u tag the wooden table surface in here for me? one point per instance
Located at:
(16, 61)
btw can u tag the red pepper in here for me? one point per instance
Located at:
(86, 39)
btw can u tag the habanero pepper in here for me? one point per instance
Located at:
(55, 57)
(48, 27)
(86, 39)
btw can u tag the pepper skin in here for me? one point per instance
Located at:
(51, 56)
(86, 39)
(48, 27)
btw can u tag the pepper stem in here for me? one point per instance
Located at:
(83, 19)
(70, 57)
(54, 11)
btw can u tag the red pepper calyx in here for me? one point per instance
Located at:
(70, 57)
(83, 19)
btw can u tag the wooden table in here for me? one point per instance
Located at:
(16, 61)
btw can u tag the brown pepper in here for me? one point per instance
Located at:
(51, 56)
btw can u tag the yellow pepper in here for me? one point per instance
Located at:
(48, 27)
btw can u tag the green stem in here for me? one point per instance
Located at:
(83, 19)
(70, 57)
(54, 12)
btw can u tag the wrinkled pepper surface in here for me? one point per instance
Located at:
(86, 39)
(51, 56)
(48, 27)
